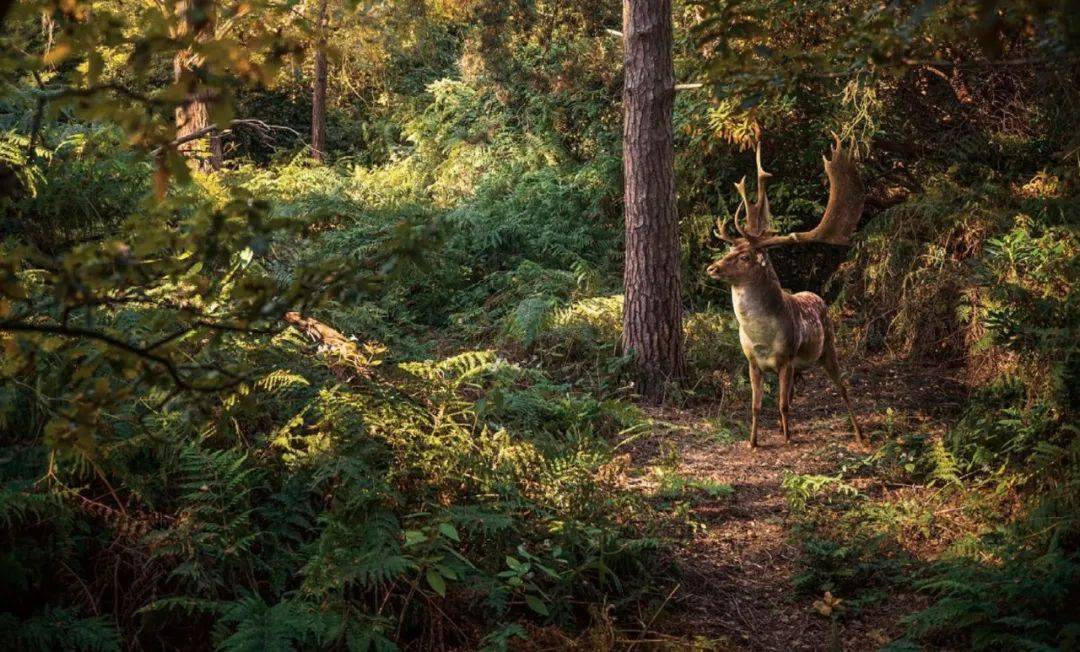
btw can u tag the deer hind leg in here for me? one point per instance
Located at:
(756, 387)
(832, 368)
(787, 382)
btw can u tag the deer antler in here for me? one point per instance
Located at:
(846, 198)
(721, 228)
(758, 216)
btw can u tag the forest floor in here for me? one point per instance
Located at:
(734, 579)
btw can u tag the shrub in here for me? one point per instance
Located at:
(55, 209)
(581, 340)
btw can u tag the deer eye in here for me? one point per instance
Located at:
(744, 257)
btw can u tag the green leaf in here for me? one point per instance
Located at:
(537, 605)
(449, 531)
(436, 581)
(446, 571)
(548, 571)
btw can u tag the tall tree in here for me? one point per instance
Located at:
(318, 91)
(652, 314)
(193, 116)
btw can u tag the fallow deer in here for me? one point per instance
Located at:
(781, 332)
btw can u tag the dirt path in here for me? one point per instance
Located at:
(735, 576)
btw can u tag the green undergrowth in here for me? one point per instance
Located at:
(981, 519)
(580, 340)
(420, 490)
(327, 503)
(978, 514)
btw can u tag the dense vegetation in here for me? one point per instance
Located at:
(380, 401)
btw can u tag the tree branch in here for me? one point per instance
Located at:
(143, 353)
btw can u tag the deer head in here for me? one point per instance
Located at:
(746, 258)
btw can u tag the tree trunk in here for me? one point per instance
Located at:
(318, 93)
(652, 313)
(194, 113)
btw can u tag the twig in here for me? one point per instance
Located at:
(988, 63)
(119, 89)
(405, 607)
(645, 630)
(94, 609)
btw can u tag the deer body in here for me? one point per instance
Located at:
(775, 327)
(775, 333)
(781, 332)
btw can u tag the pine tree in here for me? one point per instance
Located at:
(193, 115)
(318, 91)
(652, 313)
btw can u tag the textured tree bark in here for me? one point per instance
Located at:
(194, 113)
(652, 312)
(318, 91)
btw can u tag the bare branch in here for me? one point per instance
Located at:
(264, 129)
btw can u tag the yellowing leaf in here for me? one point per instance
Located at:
(58, 53)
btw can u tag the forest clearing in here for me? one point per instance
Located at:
(539, 325)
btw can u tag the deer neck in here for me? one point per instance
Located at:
(759, 305)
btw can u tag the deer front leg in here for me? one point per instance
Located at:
(756, 383)
(787, 379)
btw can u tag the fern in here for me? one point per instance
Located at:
(529, 318)
(216, 536)
(800, 489)
(463, 367)
(1023, 603)
(354, 550)
(57, 628)
(312, 505)
(258, 627)
(943, 465)
(13, 157)
(19, 503)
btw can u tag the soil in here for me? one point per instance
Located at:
(733, 584)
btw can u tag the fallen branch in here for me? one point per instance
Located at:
(264, 129)
(330, 341)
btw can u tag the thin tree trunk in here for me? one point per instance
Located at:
(652, 313)
(194, 113)
(318, 94)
